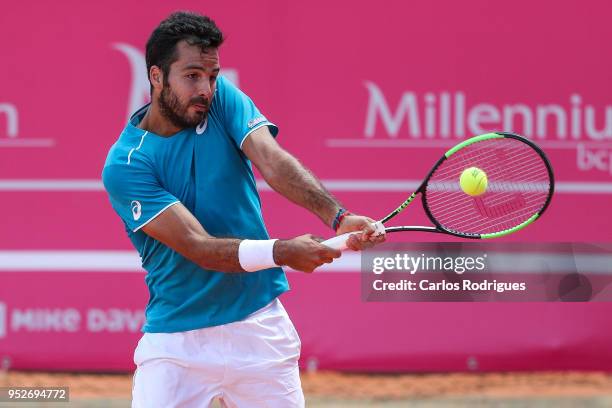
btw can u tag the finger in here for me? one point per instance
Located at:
(370, 232)
(368, 228)
(334, 253)
(366, 245)
(367, 237)
(317, 239)
(373, 242)
(377, 238)
(354, 242)
(328, 252)
(354, 247)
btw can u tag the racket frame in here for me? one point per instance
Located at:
(441, 229)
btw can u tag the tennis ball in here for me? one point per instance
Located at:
(473, 181)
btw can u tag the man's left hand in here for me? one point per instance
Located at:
(359, 242)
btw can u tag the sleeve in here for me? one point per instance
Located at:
(135, 194)
(239, 114)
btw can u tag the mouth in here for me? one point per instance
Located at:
(200, 107)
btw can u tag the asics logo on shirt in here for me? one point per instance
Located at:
(201, 127)
(136, 210)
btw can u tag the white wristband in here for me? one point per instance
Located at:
(255, 255)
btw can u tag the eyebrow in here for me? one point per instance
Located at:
(199, 68)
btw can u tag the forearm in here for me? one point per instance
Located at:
(216, 254)
(233, 255)
(178, 229)
(289, 177)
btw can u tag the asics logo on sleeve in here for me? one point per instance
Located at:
(136, 210)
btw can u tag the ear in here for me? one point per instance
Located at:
(156, 77)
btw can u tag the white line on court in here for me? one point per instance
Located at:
(26, 142)
(107, 261)
(353, 185)
(31, 185)
(70, 261)
(129, 261)
(428, 144)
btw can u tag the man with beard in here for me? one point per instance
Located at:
(180, 178)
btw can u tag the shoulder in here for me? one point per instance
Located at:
(130, 148)
(127, 162)
(226, 89)
(229, 99)
(223, 83)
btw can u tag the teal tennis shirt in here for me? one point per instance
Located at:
(205, 169)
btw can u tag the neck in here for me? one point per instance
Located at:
(154, 122)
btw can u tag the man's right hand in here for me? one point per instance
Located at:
(304, 253)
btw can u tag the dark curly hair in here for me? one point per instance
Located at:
(194, 28)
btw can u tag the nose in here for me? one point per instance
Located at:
(205, 90)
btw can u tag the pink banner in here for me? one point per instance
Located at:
(91, 321)
(368, 98)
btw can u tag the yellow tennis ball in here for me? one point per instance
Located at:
(473, 181)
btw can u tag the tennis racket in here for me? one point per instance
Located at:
(519, 187)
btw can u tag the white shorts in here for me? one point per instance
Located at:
(250, 363)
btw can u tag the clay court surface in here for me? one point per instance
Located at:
(327, 389)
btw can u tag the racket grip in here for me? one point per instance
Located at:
(339, 242)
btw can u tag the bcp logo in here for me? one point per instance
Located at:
(2, 320)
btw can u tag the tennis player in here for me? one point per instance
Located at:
(180, 178)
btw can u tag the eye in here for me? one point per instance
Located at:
(192, 76)
(213, 78)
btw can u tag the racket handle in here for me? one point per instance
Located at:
(339, 242)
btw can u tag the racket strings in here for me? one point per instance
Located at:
(480, 206)
(518, 187)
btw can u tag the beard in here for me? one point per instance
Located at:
(177, 112)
